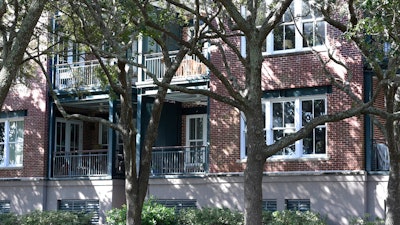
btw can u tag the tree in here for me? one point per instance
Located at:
(18, 23)
(373, 27)
(107, 31)
(224, 23)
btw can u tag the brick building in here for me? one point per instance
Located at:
(200, 153)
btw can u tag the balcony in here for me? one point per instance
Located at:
(179, 160)
(85, 163)
(190, 68)
(81, 75)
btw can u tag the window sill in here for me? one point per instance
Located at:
(298, 159)
(291, 159)
(11, 167)
(294, 52)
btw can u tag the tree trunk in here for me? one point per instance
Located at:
(253, 191)
(393, 141)
(253, 173)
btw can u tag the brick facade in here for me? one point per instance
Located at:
(31, 96)
(345, 148)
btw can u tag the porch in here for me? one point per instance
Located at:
(179, 160)
(84, 75)
(171, 160)
(84, 163)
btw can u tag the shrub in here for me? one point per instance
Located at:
(55, 218)
(9, 219)
(153, 213)
(210, 216)
(366, 220)
(288, 217)
(46, 218)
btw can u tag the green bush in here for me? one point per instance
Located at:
(288, 217)
(366, 220)
(153, 213)
(210, 216)
(46, 218)
(9, 219)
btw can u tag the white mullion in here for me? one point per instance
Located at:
(268, 123)
(298, 24)
(6, 143)
(297, 125)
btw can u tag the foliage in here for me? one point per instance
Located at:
(211, 216)
(366, 220)
(153, 213)
(46, 218)
(289, 217)
(116, 216)
(9, 219)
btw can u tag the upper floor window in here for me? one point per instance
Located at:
(11, 142)
(301, 27)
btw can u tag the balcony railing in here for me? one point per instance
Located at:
(85, 163)
(76, 75)
(179, 160)
(154, 63)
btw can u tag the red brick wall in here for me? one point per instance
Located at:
(32, 98)
(345, 150)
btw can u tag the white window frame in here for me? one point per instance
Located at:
(6, 157)
(298, 22)
(267, 105)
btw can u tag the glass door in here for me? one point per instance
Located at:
(196, 141)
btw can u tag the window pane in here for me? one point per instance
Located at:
(308, 144)
(2, 132)
(278, 38)
(308, 34)
(320, 140)
(192, 129)
(277, 115)
(2, 154)
(306, 112)
(289, 113)
(319, 108)
(199, 128)
(16, 154)
(290, 38)
(319, 33)
(288, 16)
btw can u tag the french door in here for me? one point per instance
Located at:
(68, 136)
(196, 139)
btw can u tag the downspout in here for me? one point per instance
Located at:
(368, 136)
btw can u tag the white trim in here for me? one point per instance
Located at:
(6, 151)
(298, 45)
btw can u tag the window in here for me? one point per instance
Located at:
(286, 116)
(301, 27)
(5, 206)
(11, 142)
(301, 205)
(77, 205)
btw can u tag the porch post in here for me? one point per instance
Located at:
(139, 130)
(111, 139)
